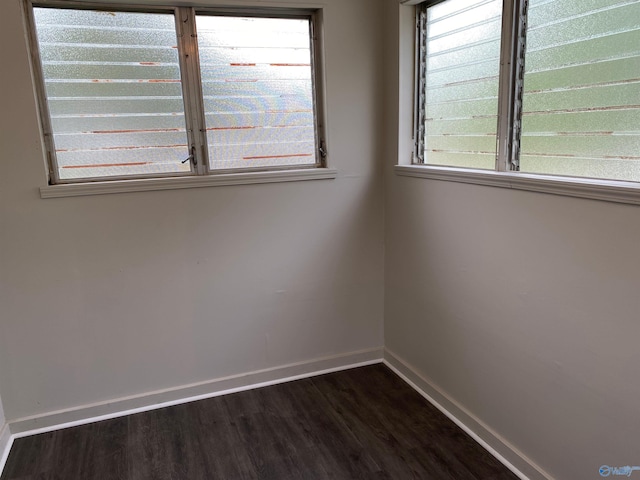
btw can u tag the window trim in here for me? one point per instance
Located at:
(595, 189)
(617, 191)
(200, 174)
(192, 181)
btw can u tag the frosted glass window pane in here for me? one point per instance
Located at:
(462, 68)
(112, 82)
(581, 108)
(258, 91)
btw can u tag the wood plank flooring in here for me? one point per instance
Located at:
(364, 423)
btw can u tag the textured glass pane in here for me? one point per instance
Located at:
(113, 87)
(581, 114)
(462, 67)
(258, 92)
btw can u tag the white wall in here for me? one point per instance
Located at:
(115, 295)
(5, 438)
(5, 435)
(522, 307)
(2, 417)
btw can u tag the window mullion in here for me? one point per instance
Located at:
(315, 38)
(43, 106)
(519, 54)
(192, 89)
(511, 84)
(420, 85)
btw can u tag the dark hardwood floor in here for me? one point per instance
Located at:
(364, 423)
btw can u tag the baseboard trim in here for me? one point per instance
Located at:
(6, 440)
(506, 453)
(95, 412)
(513, 459)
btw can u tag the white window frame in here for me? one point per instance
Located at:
(505, 174)
(201, 175)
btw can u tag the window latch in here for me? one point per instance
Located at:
(191, 157)
(323, 149)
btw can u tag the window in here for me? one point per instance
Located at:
(532, 86)
(131, 93)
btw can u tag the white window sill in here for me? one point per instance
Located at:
(606, 190)
(173, 183)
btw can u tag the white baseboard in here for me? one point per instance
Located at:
(519, 464)
(506, 453)
(95, 412)
(6, 440)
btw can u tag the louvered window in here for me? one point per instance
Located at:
(257, 90)
(545, 86)
(460, 67)
(175, 92)
(581, 105)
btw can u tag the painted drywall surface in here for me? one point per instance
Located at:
(2, 417)
(115, 295)
(522, 307)
(5, 438)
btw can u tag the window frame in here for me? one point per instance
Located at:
(200, 173)
(511, 76)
